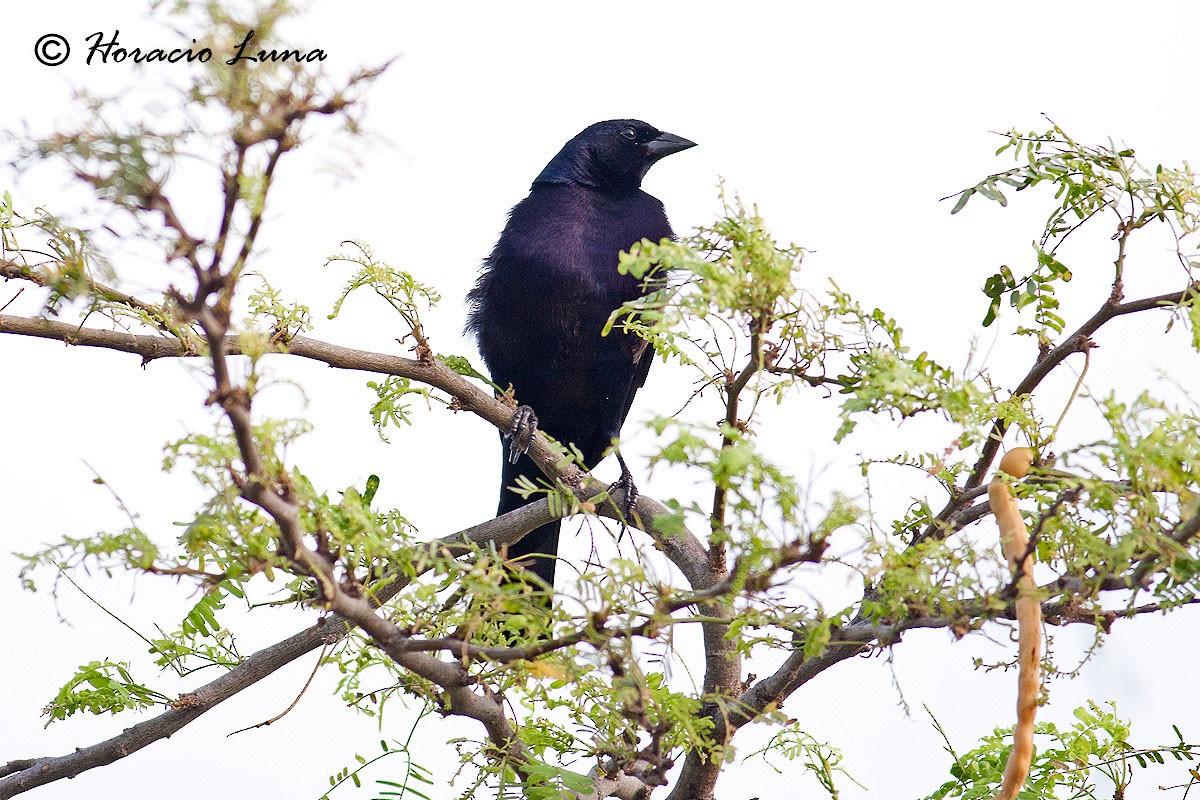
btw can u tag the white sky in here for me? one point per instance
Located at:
(844, 122)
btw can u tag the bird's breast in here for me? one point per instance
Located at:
(552, 282)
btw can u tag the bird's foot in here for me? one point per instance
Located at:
(629, 495)
(520, 433)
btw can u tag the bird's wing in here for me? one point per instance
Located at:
(643, 357)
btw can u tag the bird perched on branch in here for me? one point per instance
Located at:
(545, 293)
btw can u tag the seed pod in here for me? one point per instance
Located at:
(1014, 541)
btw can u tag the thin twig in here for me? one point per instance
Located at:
(294, 702)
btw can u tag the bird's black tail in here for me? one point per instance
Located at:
(538, 550)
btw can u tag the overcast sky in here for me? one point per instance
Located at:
(845, 123)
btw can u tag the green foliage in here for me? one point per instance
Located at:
(933, 578)
(463, 366)
(1142, 482)
(552, 783)
(766, 505)
(1087, 181)
(391, 406)
(239, 539)
(412, 782)
(73, 270)
(1067, 763)
(733, 301)
(407, 297)
(1192, 307)
(286, 319)
(127, 549)
(201, 640)
(820, 759)
(101, 687)
(730, 305)
(884, 378)
(397, 288)
(66, 269)
(726, 282)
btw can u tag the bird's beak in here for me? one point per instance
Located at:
(666, 144)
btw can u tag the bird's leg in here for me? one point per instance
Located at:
(629, 494)
(520, 433)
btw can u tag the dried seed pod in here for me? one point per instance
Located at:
(1014, 540)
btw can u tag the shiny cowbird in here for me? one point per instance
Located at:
(545, 293)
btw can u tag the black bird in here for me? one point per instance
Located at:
(546, 291)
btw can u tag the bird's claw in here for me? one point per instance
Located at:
(520, 433)
(629, 494)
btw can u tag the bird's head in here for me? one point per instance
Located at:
(614, 154)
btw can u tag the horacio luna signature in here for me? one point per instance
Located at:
(112, 50)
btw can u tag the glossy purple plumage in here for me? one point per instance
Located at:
(548, 288)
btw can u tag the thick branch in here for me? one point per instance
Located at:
(684, 550)
(26, 774)
(691, 559)
(700, 771)
(186, 709)
(734, 386)
(723, 665)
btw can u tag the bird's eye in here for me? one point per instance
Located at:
(629, 133)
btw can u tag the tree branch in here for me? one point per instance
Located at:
(700, 769)
(31, 773)
(683, 549)
(22, 775)
(1079, 341)
(12, 270)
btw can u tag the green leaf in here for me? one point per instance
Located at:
(963, 197)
